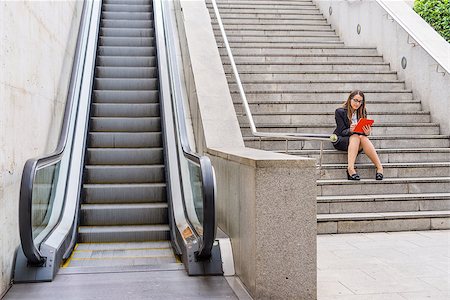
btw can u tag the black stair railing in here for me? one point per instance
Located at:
(40, 175)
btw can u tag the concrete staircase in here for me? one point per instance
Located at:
(296, 72)
(124, 214)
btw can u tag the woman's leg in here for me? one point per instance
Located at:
(370, 151)
(354, 145)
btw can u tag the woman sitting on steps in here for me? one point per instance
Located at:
(346, 119)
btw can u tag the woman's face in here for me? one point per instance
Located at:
(356, 101)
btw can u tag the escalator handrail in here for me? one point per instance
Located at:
(207, 172)
(30, 250)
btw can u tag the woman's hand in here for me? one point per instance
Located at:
(352, 127)
(367, 129)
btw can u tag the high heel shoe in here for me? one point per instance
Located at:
(353, 176)
(379, 176)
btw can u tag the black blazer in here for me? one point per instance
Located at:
(342, 122)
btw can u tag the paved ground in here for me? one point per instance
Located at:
(388, 266)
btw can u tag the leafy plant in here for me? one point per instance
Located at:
(436, 13)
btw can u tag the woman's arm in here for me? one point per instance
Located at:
(341, 127)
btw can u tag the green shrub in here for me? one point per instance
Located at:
(436, 13)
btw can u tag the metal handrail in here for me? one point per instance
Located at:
(412, 34)
(30, 250)
(284, 135)
(207, 171)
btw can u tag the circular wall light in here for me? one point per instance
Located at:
(358, 29)
(404, 62)
(330, 10)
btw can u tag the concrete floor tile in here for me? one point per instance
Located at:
(389, 285)
(342, 275)
(426, 296)
(442, 283)
(389, 296)
(331, 288)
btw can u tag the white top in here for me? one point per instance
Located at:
(354, 118)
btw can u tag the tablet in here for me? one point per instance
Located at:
(361, 123)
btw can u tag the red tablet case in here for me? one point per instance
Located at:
(361, 123)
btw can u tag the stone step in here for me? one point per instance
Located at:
(287, 3)
(270, 21)
(313, 76)
(137, 110)
(127, 32)
(264, 16)
(300, 51)
(126, 51)
(386, 155)
(126, 72)
(326, 106)
(309, 67)
(291, 28)
(124, 139)
(311, 32)
(126, 61)
(110, 174)
(380, 129)
(130, 233)
(127, 41)
(125, 156)
(330, 187)
(122, 124)
(129, 2)
(105, 23)
(126, 96)
(300, 86)
(273, 11)
(108, 15)
(124, 193)
(305, 38)
(379, 142)
(124, 214)
(110, 7)
(383, 203)
(259, 6)
(313, 118)
(123, 84)
(388, 221)
(305, 58)
(322, 94)
(390, 170)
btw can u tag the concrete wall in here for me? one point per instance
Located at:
(422, 74)
(266, 201)
(37, 43)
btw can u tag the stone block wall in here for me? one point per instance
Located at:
(37, 44)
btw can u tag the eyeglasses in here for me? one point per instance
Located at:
(357, 101)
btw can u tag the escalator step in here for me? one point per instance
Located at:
(127, 41)
(126, 51)
(124, 61)
(125, 110)
(124, 174)
(127, 32)
(124, 214)
(126, 8)
(124, 140)
(126, 23)
(120, 124)
(140, 156)
(124, 84)
(135, 233)
(126, 72)
(124, 193)
(126, 96)
(127, 15)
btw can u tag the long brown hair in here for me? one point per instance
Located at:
(362, 112)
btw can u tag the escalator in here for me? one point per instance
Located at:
(123, 189)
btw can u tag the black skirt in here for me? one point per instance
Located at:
(342, 143)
